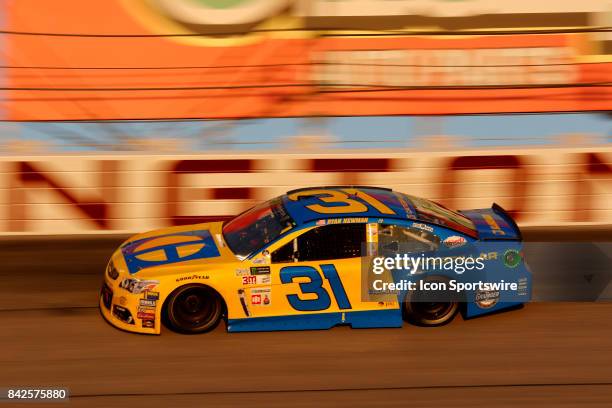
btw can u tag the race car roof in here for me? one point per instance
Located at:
(317, 203)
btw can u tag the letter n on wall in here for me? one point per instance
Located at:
(28, 175)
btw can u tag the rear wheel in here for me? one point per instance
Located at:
(426, 309)
(193, 309)
(430, 313)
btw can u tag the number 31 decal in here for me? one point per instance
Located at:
(315, 286)
(347, 200)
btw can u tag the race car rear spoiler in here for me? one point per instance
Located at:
(494, 224)
(508, 218)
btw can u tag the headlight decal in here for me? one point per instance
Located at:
(112, 271)
(123, 314)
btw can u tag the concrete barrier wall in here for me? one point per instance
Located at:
(65, 194)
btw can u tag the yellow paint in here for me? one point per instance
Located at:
(220, 274)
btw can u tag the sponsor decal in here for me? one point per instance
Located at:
(148, 323)
(488, 256)
(512, 258)
(493, 224)
(137, 286)
(122, 300)
(151, 295)
(454, 241)
(192, 277)
(260, 270)
(249, 280)
(486, 299)
(260, 261)
(242, 272)
(321, 222)
(173, 248)
(148, 303)
(261, 297)
(145, 313)
(256, 279)
(422, 226)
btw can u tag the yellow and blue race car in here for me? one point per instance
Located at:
(296, 262)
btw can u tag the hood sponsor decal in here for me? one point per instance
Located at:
(169, 249)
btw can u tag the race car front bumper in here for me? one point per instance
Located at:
(122, 311)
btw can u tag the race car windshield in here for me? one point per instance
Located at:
(254, 228)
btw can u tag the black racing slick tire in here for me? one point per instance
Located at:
(421, 309)
(193, 309)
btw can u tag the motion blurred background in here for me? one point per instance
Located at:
(119, 116)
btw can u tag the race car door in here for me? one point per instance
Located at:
(318, 272)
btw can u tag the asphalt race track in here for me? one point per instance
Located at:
(546, 354)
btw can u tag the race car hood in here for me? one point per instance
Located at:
(185, 245)
(493, 224)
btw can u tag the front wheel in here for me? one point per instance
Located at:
(193, 309)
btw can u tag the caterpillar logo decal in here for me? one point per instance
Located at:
(167, 249)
